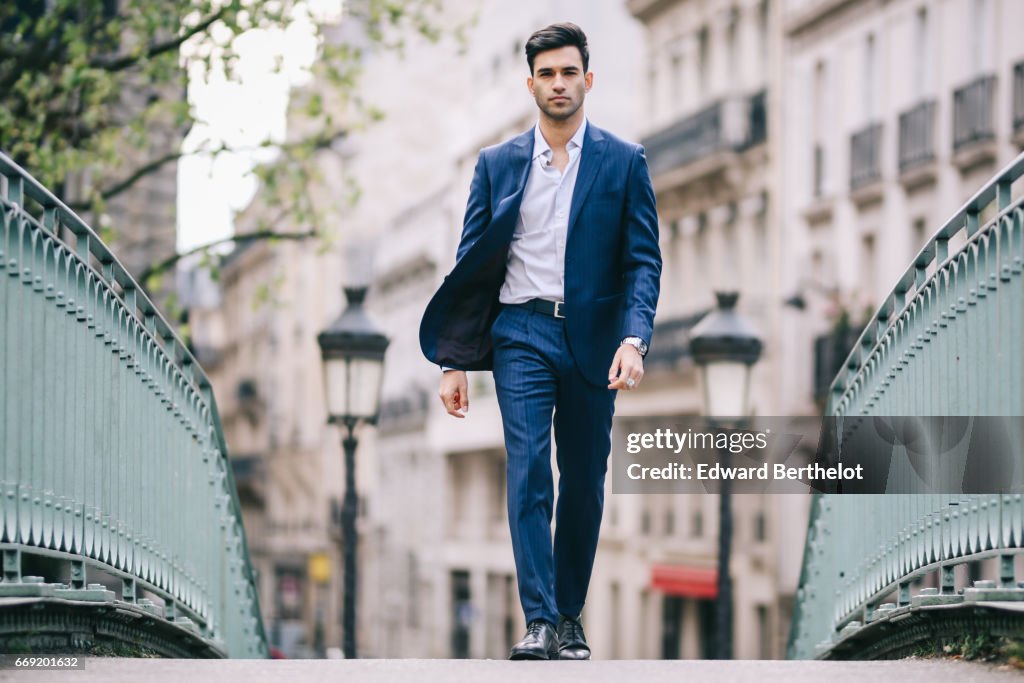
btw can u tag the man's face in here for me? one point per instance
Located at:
(558, 83)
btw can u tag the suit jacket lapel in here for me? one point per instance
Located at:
(518, 166)
(590, 164)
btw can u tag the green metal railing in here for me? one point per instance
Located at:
(113, 465)
(945, 342)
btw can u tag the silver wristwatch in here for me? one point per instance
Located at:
(637, 343)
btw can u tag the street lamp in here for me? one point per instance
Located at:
(725, 347)
(352, 349)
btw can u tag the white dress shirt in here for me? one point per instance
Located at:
(536, 255)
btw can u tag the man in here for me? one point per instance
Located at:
(554, 289)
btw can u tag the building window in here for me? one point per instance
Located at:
(703, 60)
(982, 30)
(498, 505)
(462, 614)
(616, 620)
(733, 48)
(762, 32)
(652, 91)
(701, 248)
(697, 524)
(645, 615)
(764, 257)
(731, 250)
(922, 64)
(870, 79)
(919, 236)
(819, 126)
(869, 270)
(670, 521)
(671, 627)
(645, 522)
(760, 526)
(765, 633)
(678, 91)
(459, 483)
(412, 569)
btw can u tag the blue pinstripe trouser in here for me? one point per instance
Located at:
(535, 375)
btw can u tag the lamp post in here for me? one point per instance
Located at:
(352, 349)
(725, 347)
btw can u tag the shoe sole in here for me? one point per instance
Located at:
(521, 656)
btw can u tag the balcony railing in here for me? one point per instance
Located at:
(1018, 97)
(974, 112)
(866, 156)
(917, 136)
(731, 124)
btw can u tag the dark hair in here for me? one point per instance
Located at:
(554, 37)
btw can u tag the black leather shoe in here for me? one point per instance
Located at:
(572, 643)
(540, 642)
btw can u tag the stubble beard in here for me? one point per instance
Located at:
(559, 114)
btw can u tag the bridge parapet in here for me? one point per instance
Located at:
(118, 511)
(946, 341)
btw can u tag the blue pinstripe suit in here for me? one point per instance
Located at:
(545, 366)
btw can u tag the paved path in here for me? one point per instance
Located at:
(494, 671)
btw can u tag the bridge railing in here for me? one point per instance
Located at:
(945, 342)
(113, 465)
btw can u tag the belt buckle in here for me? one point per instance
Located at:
(558, 310)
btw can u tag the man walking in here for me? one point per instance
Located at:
(554, 289)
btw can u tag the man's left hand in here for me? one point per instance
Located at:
(627, 365)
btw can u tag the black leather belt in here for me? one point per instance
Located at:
(553, 308)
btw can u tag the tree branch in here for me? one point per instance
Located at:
(121, 62)
(256, 235)
(125, 183)
(318, 142)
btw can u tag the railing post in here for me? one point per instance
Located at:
(1006, 573)
(971, 224)
(128, 591)
(78, 574)
(1003, 196)
(904, 594)
(948, 582)
(12, 565)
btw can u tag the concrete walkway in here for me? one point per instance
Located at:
(102, 670)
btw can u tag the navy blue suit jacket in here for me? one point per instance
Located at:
(612, 257)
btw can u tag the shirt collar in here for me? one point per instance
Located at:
(541, 146)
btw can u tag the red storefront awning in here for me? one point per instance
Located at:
(690, 582)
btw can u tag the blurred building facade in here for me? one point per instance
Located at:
(711, 137)
(898, 112)
(254, 332)
(446, 582)
(775, 173)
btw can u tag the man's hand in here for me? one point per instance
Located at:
(454, 392)
(627, 364)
